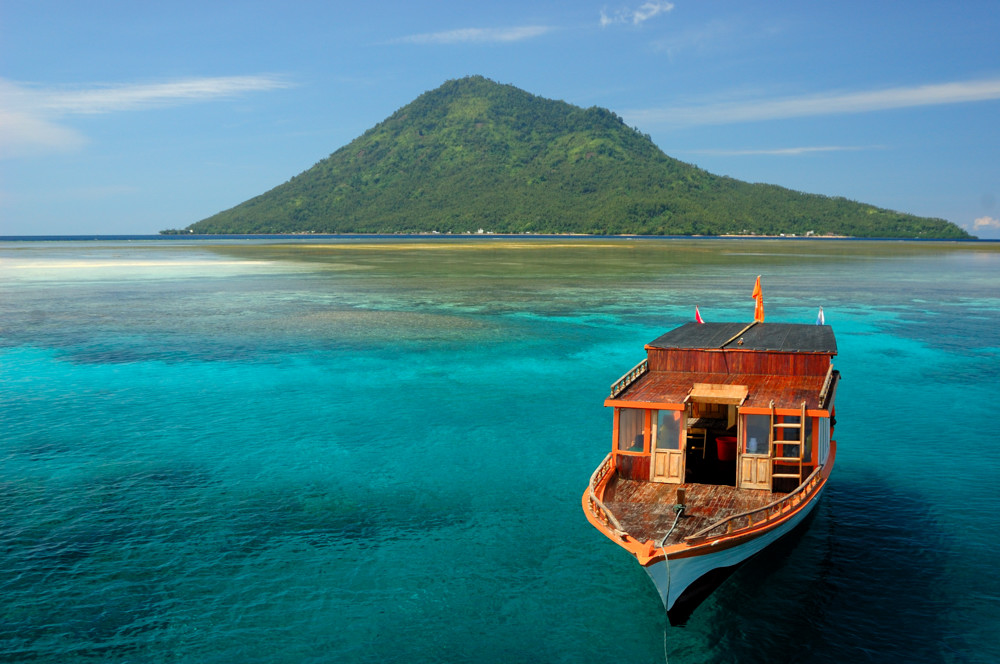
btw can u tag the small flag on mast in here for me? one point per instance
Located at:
(758, 295)
(820, 319)
(697, 315)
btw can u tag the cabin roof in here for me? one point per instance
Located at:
(775, 337)
(674, 387)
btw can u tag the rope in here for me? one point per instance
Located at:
(666, 561)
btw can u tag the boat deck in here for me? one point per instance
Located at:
(645, 510)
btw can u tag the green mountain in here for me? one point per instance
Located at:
(474, 154)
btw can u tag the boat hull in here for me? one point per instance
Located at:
(684, 582)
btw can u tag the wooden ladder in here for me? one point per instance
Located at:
(800, 444)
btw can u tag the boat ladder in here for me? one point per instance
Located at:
(778, 438)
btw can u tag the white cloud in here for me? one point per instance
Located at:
(833, 103)
(29, 114)
(23, 135)
(111, 98)
(477, 35)
(985, 224)
(636, 16)
(785, 152)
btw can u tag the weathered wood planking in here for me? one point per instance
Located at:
(646, 509)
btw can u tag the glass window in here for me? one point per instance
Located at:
(631, 422)
(793, 434)
(757, 431)
(790, 433)
(823, 439)
(668, 429)
(807, 453)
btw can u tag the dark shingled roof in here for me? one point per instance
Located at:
(783, 337)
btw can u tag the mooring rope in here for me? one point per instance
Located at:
(679, 508)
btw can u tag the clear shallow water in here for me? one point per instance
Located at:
(358, 451)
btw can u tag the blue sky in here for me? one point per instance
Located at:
(132, 117)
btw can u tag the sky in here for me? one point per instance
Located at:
(133, 117)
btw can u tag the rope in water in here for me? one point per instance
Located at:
(666, 599)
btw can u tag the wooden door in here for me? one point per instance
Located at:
(755, 435)
(668, 447)
(755, 471)
(668, 466)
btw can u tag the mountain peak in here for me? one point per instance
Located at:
(473, 153)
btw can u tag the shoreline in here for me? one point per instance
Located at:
(464, 236)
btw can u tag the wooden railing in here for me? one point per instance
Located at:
(770, 511)
(599, 509)
(622, 383)
(826, 385)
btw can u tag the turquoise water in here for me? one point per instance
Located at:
(375, 451)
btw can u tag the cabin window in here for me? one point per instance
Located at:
(793, 435)
(668, 429)
(631, 422)
(823, 440)
(807, 453)
(758, 429)
(785, 450)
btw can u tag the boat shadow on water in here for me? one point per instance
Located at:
(863, 580)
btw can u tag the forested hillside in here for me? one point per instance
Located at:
(474, 154)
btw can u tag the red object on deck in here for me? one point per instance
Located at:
(726, 447)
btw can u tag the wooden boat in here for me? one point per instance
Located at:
(722, 443)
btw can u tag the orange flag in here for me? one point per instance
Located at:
(758, 294)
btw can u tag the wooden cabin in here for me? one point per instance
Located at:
(729, 404)
(722, 443)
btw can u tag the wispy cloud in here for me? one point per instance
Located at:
(477, 35)
(111, 98)
(833, 103)
(30, 114)
(785, 152)
(22, 134)
(635, 16)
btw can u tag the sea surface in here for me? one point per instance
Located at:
(363, 450)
